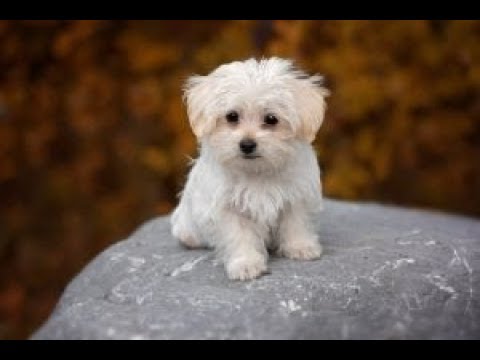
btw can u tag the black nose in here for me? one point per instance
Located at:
(248, 146)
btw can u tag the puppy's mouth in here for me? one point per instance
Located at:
(251, 157)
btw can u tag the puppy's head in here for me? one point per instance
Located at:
(253, 114)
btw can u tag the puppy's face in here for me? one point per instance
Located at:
(252, 115)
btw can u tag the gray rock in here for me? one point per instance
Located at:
(386, 273)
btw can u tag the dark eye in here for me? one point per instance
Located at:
(232, 117)
(270, 119)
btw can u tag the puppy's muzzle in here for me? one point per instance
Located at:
(248, 146)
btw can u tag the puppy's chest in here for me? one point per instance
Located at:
(260, 202)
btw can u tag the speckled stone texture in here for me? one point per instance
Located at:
(386, 273)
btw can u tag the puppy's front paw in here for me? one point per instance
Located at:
(301, 250)
(246, 268)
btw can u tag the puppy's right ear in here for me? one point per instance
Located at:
(197, 96)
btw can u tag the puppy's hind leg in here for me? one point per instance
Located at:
(183, 228)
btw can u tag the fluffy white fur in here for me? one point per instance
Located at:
(241, 206)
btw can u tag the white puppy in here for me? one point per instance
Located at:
(256, 184)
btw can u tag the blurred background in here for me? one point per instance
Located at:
(94, 138)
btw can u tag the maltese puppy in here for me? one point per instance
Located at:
(256, 184)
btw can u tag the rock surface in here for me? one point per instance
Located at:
(386, 273)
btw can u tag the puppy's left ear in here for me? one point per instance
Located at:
(309, 95)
